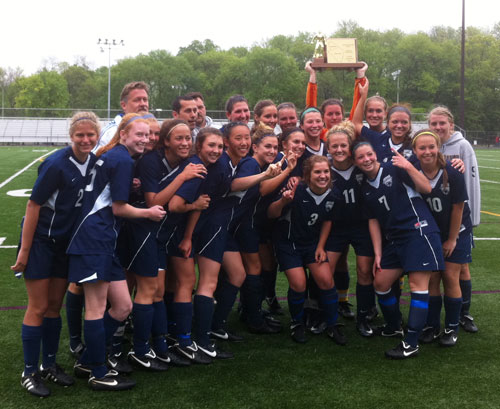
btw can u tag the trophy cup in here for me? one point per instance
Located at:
(335, 54)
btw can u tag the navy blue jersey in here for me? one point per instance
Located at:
(301, 220)
(392, 199)
(59, 191)
(323, 151)
(383, 145)
(347, 192)
(442, 198)
(110, 181)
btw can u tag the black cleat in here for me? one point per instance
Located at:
(263, 328)
(56, 374)
(467, 323)
(192, 353)
(33, 384)
(273, 322)
(147, 361)
(298, 332)
(171, 358)
(372, 314)
(77, 351)
(335, 333)
(224, 335)
(118, 363)
(112, 381)
(449, 338)
(274, 305)
(385, 331)
(345, 311)
(318, 327)
(429, 335)
(214, 352)
(82, 371)
(402, 351)
(364, 329)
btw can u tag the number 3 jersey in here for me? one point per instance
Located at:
(109, 181)
(391, 198)
(301, 220)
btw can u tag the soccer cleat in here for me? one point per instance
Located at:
(274, 305)
(172, 358)
(118, 363)
(344, 309)
(467, 323)
(298, 332)
(192, 353)
(402, 351)
(147, 361)
(372, 314)
(429, 335)
(449, 338)
(263, 328)
(82, 371)
(226, 336)
(171, 340)
(34, 384)
(364, 329)
(385, 331)
(214, 352)
(335, 333)
(57, 375)
(273, 322)
(112, 381)
(77, 351)
(318, 327)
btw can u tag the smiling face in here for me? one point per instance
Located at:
(137, 100)
(441, 126)
(399, 124)
(287, 118)
(135, 138)
(338, 148)
(269, 116)
(154, 135)
(240, 113)
(84, 139)
(365, 159)
(312, 126)
(188, 112)
(296, 143)
(211, 149)
(375, 114)
(426, 149)
(266, 150)
(179, 142)
(333, 115)
(319, 178)
(238, 143)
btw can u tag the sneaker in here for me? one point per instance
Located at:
(171, 358)
(429, 335)
(345, 311)
(273, 322)
(147, 361)
(467, 323)
(192, 353)
(364, 329)
(335, 333)
(449, 338)
(57, 375)
(372, 314)
(385, 331)
(214, 352)
(298, 332)
(112, 381)
(402, 351)
(318, 327)
(226, 336)
(274, 305)
(118, 363)
(34, 384)
(263, 329)
(81, 370)
(77, 351)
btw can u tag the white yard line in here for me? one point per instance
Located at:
(24, 169)
(489, 181)
(487, 238)
(488, 167)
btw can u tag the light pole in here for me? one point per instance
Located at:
(109, 44)
(395, 76)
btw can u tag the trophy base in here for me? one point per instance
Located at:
(320, 64)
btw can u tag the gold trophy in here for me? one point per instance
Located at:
(335, 54)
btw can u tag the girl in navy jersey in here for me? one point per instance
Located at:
(405, 240)
(93, 262)
(448, 204)
(50, 215)
(312, 125)
(302, 213)
(349, 226)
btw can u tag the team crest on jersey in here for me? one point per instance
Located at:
(445, 190)
(407, 153)
(387, 181)
(329, 205)
(359, 178)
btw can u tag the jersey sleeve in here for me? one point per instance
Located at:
(148, 171)
(311, 95)
(458, 192)
(248, 167)
(120, 180)
(48, 181)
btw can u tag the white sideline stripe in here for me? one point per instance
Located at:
(24, 169)
(491, 160)
(8, 247)
(489, 181)
(488, 167)
(487, 238)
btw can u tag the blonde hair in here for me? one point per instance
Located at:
(441, 110)
(441, 161)
(260, 131)
(84, 117)
(345, 127)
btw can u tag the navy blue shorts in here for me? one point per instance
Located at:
(357, 235)
(245, 239)
(144, 251)
(172, 246)
(291, 256)
(89, 268)
(413, 253)
(47, 259)
(210, 241)
(463, 249)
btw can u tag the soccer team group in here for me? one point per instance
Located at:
(158, 228)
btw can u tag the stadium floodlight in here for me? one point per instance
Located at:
(395, 76)
(109, 44)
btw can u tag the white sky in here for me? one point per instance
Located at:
(34, 32)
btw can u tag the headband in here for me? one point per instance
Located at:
(399, 108)
(175, 126)
(414, 140)
(144, 117)
(306, 111)
(84, 118)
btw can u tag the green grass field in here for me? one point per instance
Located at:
(272, 371)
